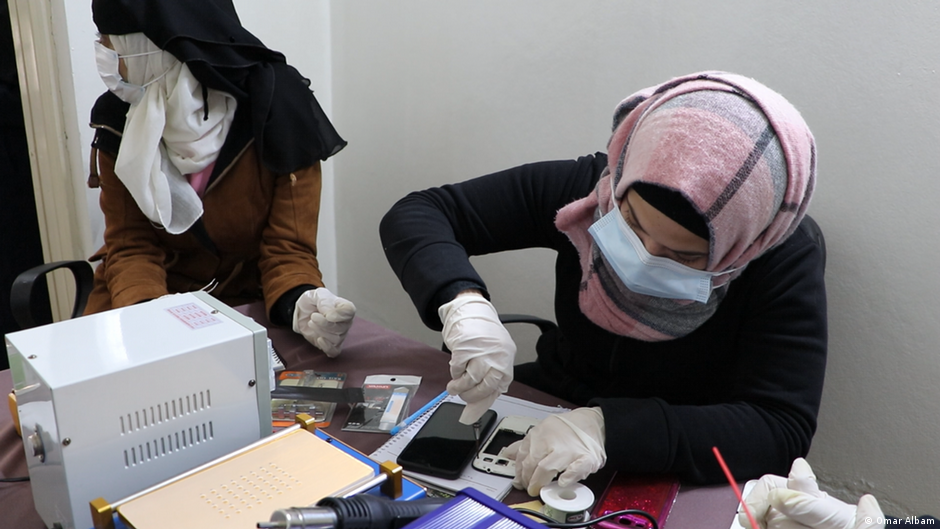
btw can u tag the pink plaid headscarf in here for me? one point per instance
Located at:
(739, 152)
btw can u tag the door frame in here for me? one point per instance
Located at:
(45, 79)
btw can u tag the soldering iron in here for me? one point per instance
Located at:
(362, 511)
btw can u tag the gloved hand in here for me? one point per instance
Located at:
(323, 319)
(797, 503)
(481, 353)
(571, 443)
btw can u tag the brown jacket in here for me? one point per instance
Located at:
(263, 227)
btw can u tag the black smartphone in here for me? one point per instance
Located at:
(443, 446)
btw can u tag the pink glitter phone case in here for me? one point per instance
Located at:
(653, 494)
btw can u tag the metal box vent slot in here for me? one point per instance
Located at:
(168, 410)
(168, 444)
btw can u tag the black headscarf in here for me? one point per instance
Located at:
(291, 131)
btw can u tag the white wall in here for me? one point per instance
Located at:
(429, 92)
(82, 74)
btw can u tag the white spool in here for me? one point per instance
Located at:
(566, 504)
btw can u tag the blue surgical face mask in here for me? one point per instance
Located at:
(109, 68)
(642, 272)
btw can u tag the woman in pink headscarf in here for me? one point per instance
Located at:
(689, 289)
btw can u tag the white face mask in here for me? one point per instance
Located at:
(109, 68)
(642, 272)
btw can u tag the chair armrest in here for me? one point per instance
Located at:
(543, 324)
(21, 293)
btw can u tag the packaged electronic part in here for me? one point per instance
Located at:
(284, 411)
(386, 402)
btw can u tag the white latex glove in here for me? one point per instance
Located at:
(797, 503)
(571, 443)
(323, 319)
(481, 353)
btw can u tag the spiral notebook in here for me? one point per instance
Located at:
(492, 485)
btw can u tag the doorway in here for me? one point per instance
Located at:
(20, 243)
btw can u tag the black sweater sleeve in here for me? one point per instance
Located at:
(429, 235)
(760, 406)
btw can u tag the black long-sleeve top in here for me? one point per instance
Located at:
(748, 380)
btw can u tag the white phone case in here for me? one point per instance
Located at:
(509, 430)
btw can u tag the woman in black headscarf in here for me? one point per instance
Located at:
(207, 151)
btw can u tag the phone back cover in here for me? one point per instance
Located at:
(653, 494)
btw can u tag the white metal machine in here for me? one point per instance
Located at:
(113, 403)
